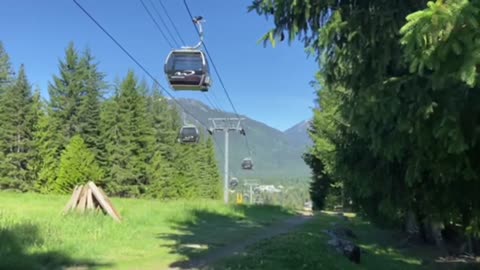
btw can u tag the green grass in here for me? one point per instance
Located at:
(306, 248)
(153, 234)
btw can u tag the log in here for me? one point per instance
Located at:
(103, 201)
(73, 200)
(109, 202)
(91, 197)
(83, 200)
(90, 204)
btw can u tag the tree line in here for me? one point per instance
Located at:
(122, 137)
(397, 123)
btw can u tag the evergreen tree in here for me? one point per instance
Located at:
(60, 120)
(187, 171)
(161, 169)
(17, 122)
(165, 122)
(163, 183)
(37, 112)
(404, 116)
(129, 139)
(6, 71)
(6, 80)
(73, 108)
(197, 171)
(320, 184)
(89, 108)
(214, 184)
(66, 93)
(77, 166)
(48, 147)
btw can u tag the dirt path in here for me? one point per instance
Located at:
(236, 248)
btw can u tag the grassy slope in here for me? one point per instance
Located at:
(153, 234)
(306, 248)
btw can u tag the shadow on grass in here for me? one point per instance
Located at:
(16, 243)
(395, 244)
(204, 236)
(306, 248)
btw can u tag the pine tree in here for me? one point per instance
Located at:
(66, 92)
(214, 180)
(37, 112)
(320, 184)
(89, 108)
(129, 139)
(197, 171)
(73, 109)
(60, 120)
(187, 171)
(401, 128)
(6, 80)
(163, 183)
(77, 166)
(161, 169)
(165, 122)
(6, 71)
(18, 132)
(48, 146)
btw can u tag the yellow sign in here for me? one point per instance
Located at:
(239, 198)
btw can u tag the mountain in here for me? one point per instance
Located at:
(298, 134)
(274, 153)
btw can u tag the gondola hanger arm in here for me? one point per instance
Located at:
(198, 20)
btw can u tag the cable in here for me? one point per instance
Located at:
(216, 103)
(216, 72)
(214, 106)
(163, 22)
(210, 58)
(144, 69)
(209, 101)
(171, 21)
(137, 63)
(155, 22)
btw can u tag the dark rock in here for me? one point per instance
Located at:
(345, 247)
(352, 252)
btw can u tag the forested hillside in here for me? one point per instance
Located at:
(124, 138)
(274, 152)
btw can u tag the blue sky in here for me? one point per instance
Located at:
(269, 85)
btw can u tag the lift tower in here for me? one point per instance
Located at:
(226, 125)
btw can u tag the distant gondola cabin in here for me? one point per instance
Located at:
(247, 164)
(189, 134)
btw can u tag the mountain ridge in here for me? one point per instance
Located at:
(275, 153)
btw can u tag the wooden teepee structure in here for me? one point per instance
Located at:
(90, 197)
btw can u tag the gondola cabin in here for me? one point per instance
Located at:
(247, 164)
(233, 183)
(189, 134)
(187, 69)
